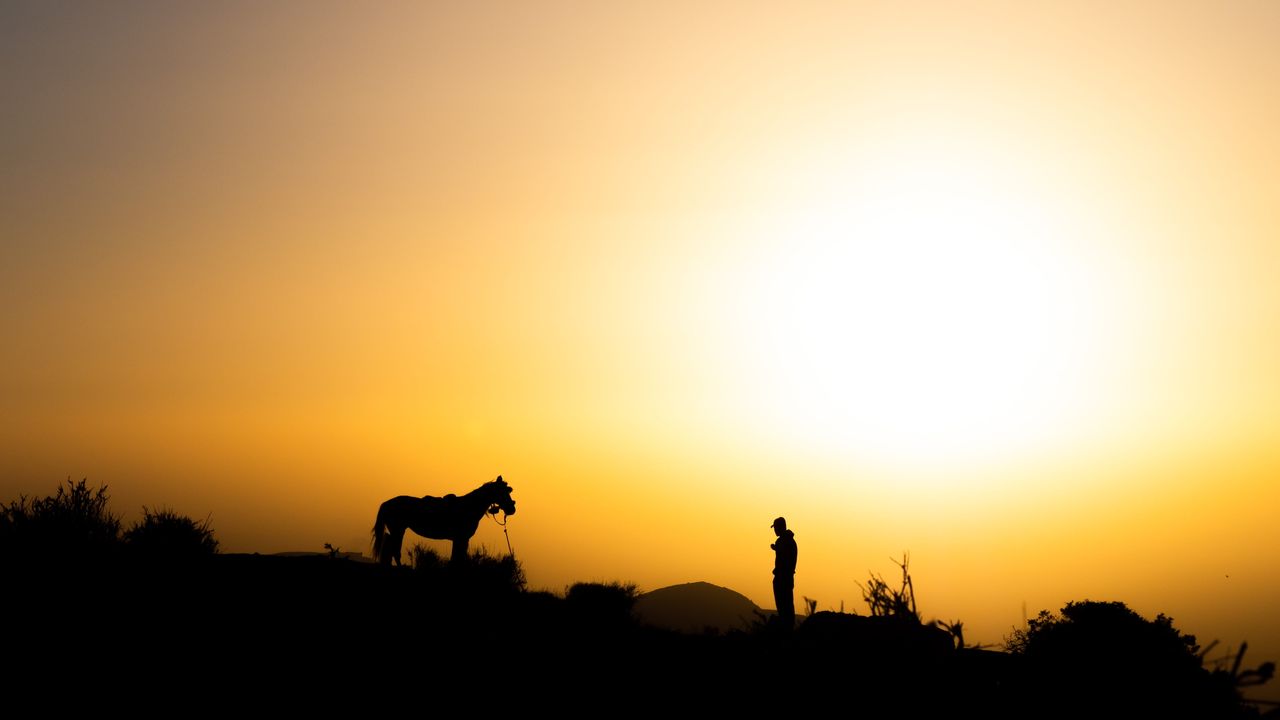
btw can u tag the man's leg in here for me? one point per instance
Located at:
(784, 598)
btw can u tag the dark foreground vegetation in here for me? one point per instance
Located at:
(151, 619)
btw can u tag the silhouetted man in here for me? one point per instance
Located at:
(784, 573)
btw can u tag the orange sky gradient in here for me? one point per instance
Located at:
(992, 283)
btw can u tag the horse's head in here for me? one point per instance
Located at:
(499, 495)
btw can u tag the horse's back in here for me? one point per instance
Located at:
(428, 516)
(400, 502)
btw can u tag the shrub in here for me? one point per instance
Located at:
(1087, 627)
(504, 572)
(426, 560)
(602, 603)
(883, 601)
(72, 525)
(482, 572)
(1102, 655)
(165, 535)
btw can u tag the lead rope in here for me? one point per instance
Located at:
(503, 524)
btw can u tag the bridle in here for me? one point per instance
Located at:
(492, 512)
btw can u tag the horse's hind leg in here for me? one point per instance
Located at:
(397, 539)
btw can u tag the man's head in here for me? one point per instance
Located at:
(779, 526)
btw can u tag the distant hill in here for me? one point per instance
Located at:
(355, 555)
(695, 607)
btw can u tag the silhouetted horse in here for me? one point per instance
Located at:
(447, 518)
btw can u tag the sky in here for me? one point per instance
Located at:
(989, 283)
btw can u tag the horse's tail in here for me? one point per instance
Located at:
(379, 534)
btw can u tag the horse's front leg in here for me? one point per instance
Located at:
(460, 550)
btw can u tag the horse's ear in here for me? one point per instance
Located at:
(499, 479)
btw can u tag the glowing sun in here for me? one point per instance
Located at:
(929, 310)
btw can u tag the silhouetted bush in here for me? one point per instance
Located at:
(496, 573)
(883, 601)
(1102, 657)
(482, 571)
(72, 525)
(164, 535)
(1234, 670)
(602, 603)
(426, 560)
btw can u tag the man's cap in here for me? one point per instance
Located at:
(779, 522)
